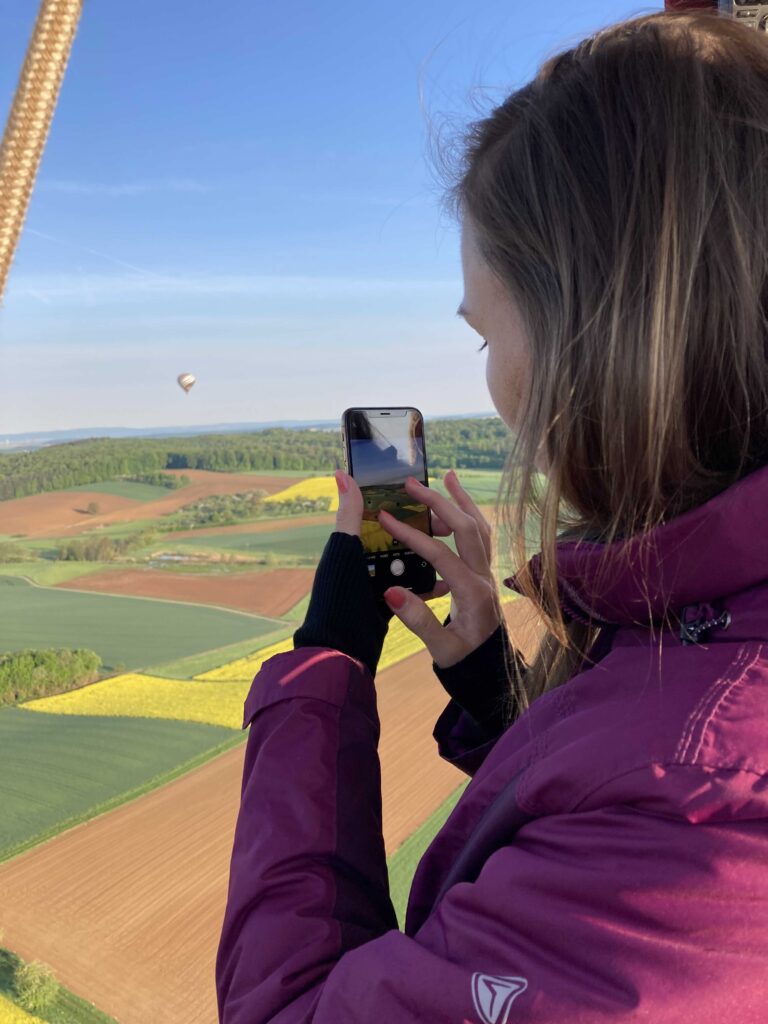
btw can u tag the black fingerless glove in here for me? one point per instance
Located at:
(344, 612)
(478, 683)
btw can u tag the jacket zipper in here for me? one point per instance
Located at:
(690, 631)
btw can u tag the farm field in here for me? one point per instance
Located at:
(120, 824)
(142, 890)
(141, 942)
(66, 768)
(218, 702)
(326, 519)
(482, 486)
(192, 666)
(64, 512)
(317, 487)
(301, 542)
(304, 543)
(130, 631)
(137, 695)
(270, 592)
(47, 573)
(289, 523)
(48, 515)
(126, 489)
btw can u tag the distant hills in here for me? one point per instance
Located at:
(39, 439)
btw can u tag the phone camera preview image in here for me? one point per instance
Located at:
(383, 447)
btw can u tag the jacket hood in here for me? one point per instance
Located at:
(716, 549)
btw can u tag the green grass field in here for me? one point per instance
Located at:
(188, 668)
(481, 486)
(402, 865)
(306, 542)
(48, 574)
(129, 631)
(127, 489)
(67, 768)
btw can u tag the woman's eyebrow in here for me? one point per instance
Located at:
(462, 312)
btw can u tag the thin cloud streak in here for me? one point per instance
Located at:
(120, 189)
(85, 248)
(104, 287)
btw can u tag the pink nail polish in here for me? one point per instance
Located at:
(395, 598)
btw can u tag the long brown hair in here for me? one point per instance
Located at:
(622, 199)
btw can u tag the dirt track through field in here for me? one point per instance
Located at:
(271, 592)
(64, 513)
(127, 908)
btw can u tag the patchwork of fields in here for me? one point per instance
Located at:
(48, 515)
(120, 797)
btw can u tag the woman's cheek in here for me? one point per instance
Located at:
(504, 388)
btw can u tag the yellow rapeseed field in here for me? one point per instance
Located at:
(312, 487)
(215, 697)
(137, 696)
(10, 1013)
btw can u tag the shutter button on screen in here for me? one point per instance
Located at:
(396, 567)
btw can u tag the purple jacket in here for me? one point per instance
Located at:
(608, 860)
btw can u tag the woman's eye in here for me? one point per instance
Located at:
(484, 345)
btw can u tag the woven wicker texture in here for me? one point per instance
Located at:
(30, 118)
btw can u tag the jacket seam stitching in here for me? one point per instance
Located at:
(713, 697)
(725, 691)
(758, 772)
(698, 711)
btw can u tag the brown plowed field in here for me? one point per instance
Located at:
(127, 908)
(63, 512)
(58, 512)
(271, 592)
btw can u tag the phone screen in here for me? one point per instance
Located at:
(385, 446)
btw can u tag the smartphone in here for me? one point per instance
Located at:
(382, 446)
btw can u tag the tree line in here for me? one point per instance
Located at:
(451, 444)
(28, 674)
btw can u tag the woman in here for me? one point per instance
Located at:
(609, 859)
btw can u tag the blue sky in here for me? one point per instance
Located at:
(242, 190)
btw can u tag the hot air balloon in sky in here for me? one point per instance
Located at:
(186, 381)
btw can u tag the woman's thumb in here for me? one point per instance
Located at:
(349, 516)
(418, 617)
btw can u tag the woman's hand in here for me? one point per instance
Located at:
(475, 605)
(344, 611)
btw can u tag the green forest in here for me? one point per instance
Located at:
(450, 444)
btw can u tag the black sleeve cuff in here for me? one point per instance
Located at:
(344, 613)
(478, 683)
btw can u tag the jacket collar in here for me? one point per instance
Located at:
(716, 549)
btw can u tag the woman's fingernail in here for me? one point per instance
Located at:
(395, 598)
(341, 482)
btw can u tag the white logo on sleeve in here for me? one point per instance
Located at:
(493, 996)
